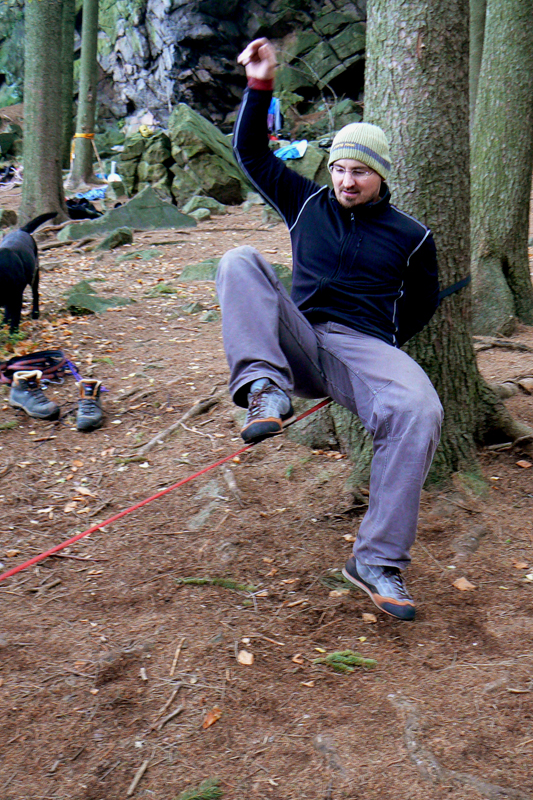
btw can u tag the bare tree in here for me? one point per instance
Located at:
(42, 188)
(502, 163)
(81, 171)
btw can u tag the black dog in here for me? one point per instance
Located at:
(19, 267)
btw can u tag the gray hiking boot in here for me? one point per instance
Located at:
(90, 415)
(384, 586)
(268, 406)
(26, 393)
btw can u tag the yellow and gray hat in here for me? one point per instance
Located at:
(363, 142)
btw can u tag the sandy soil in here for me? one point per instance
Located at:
(100, 645)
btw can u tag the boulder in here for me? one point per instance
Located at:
(201, 214)
(115, 239)
(216, 179)
(8, 218)
(204, 202)
(146, 211)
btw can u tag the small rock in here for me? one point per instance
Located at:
(115, 239)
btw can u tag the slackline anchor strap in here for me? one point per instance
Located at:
(455, 287)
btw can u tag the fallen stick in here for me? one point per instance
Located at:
(176, 656)
(138, 775)
(198, 408)
(169, 702)
(173, 714)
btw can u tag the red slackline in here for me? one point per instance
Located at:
(58, 547)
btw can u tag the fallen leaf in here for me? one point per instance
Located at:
(463, 585)
(12, 553)
(369, 618)
(297, 659)
(212, 717)
(246, 658)
(69, 507)
(362, 638)
(524, 464)
(349, 537)
(307, 683)
(86, 492)
(339, 593)
(77, 463)
(520, 564)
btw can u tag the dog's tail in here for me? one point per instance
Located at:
(34, 223)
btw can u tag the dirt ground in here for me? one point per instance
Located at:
(110, 662)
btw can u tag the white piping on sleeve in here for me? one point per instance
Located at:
(304, 205)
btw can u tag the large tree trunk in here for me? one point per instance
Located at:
(81, 171)
(478, 10)
(67, 74)
(502, 163)
(42, 188)
(408, 92)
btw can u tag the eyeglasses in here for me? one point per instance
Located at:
(358, 172)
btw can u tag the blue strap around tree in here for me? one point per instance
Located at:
(456, 287)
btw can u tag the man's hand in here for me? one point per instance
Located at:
(259, 60)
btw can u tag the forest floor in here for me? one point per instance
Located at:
(100, 645)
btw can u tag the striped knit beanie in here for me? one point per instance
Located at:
(362, 142)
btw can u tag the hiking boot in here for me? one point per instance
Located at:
(26, 393)
(268, 406)
(384, 586)
(90, 415)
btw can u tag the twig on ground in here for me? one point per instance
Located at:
(138, 775)
(176, 657)
(198, 408)
(167, 705)
(225, 583)
(173, 714)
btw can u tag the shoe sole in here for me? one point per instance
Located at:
(265, 428)
(53, 416)
(376, 598)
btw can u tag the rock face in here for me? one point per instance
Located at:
(193, 158)
(155, 54)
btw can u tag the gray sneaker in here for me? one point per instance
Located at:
(384, 586)
(26, 393)
(268, 406)
(90, 414)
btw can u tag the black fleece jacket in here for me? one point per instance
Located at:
(371, 267)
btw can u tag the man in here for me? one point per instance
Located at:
(364, 281)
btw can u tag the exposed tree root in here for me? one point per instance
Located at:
(429, 767)
(198, 408)
(486, 342)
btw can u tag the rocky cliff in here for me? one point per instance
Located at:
(154, 54)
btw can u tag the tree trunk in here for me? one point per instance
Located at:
(478, 9)
(82, 164)
(502, 163)
(67, 75)
(42, 188)
(408, 92)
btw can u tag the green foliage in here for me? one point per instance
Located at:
(9, 425)
(345, 661)
(207, 790)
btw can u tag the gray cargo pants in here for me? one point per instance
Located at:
(265, 335)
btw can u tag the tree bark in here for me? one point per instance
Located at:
(408, 92)
(478, 9)
(82, 164)
(502, 163)
(42, 188)
(67, 75)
